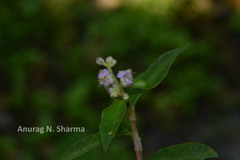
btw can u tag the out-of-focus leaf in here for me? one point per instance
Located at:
(82, 146)
(86, 144)
(154, 75)
(185, 151)
(110, 120)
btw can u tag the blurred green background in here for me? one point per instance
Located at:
(48, 74)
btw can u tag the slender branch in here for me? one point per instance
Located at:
(136, 139)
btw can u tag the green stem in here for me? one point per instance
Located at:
(116, 82)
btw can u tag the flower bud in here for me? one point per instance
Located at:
(100, 61)
(125, 96)
(114, 91)
(110, 61)
(114, 94)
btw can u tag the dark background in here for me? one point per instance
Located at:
(48, 74)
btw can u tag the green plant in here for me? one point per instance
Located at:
(124, 102)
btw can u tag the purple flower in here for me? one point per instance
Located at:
(126, 77)
(104, 78)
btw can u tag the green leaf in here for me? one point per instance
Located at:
(110, 120)
(82, 146)
(86, 144)
(185, 151)
(140, 84)
(154, 75)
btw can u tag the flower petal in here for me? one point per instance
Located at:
(120, 74)
(100, 75)
(105, 72)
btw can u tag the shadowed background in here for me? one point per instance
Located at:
(48, 74)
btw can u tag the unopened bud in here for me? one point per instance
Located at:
(114, 94)
(100, 61)
(125, 96)
(110, 61)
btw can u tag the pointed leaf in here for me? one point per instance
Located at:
(82, 146)
(110, 120)
(185, 151)
(86, 144)
(155, 74)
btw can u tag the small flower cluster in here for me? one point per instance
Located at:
(126, 77)
(109, 81)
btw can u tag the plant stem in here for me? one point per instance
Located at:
(136, 139)
(116, 82)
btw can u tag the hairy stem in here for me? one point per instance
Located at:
(136, 139)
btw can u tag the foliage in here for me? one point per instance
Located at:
(185, 151)
(82, 146)
(154, 75)
(111, 119)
